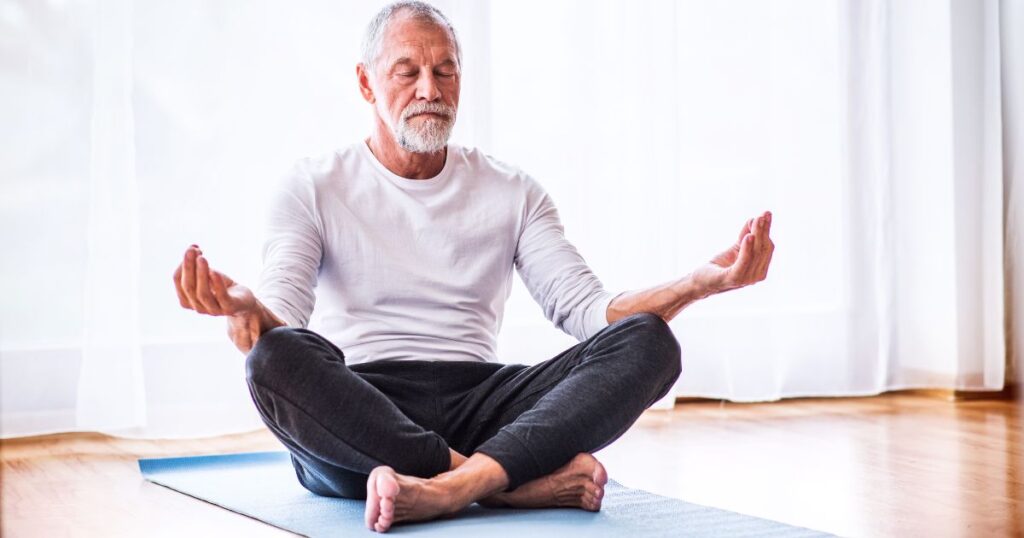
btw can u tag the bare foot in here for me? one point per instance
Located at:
(392, 498)
(578, 484)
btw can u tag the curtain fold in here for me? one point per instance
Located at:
(978, 194)
(877, 131)
(870, 286)
(1011, 21)
(110, 385)
(924, 146)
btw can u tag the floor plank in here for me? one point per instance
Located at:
(894, 465)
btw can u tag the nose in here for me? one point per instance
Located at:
(426, 86)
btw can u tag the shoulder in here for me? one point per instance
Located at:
(484, 167)
(311, 176)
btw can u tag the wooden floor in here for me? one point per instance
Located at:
(894, 465)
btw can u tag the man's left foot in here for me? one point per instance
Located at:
(577, 484)
(392, 498)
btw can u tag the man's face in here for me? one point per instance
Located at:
(415, 84)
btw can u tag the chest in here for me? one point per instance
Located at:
(399, 245)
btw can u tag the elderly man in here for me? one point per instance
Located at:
(410, 242)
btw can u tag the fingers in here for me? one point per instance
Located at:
(770, 248)
(220, 292)
(177, 288)
(767, 262)
(744, 266)
(203, 293)
(761, 225)
(746, 229)
(188, 278)
(755, 251)
(763, 247)
(194, 286)
(766, 246)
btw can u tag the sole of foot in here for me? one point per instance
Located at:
(577, 484)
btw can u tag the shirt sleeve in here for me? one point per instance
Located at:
(292, 250)
(556, 275)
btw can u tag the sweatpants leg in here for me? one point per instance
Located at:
(532, 420)
(337, 424)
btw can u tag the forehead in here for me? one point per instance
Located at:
(411, 37)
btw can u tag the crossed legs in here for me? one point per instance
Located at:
(528, 431)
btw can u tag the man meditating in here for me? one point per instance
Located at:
(407, 245)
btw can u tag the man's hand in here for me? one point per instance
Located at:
(207, 291)
(213, 293)
(742, 264)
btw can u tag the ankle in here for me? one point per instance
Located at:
(456, 459)
(476, 478)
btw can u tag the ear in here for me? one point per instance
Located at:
(364, 83)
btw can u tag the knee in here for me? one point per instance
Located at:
(656, 345)
(270, 353)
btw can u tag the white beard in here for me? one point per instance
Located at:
(428, 134)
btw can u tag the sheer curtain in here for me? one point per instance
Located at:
(872, 130)
(1011, 21)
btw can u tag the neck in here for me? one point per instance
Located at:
(404, 163)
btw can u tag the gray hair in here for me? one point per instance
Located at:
(420, 11)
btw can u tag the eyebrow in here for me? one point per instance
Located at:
(407, 60)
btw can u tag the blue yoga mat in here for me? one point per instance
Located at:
(262, 485)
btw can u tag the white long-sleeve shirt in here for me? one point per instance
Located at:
(419, 269)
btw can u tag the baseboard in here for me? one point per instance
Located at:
(1010, 392)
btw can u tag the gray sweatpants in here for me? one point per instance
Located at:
(339, 421)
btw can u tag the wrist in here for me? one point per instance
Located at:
(256, 311)
(695, 288)
(241, 319)
(266, 318)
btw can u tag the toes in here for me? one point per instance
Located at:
(586, 500)
(593, 495)
(381, 490)
(372, 502)
(387, 489)
(590, 503)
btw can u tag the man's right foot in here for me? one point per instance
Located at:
(578, 484)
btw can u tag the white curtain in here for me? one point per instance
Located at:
(872, 129)
(1011, 20)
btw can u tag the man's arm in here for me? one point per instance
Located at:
(291, 259)
(558, 278)
(742, 264)
(210, 292)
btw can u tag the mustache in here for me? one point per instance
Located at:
(421, 107)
